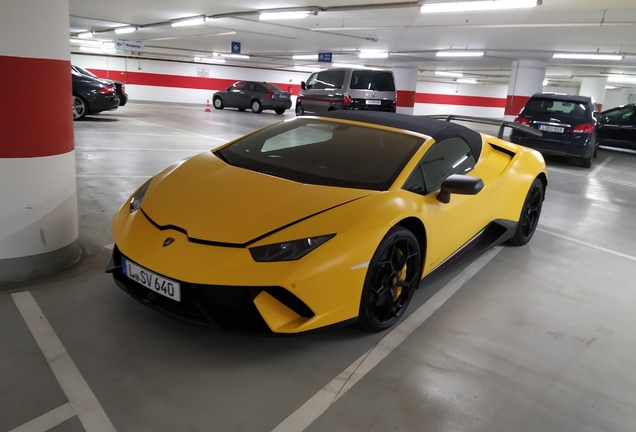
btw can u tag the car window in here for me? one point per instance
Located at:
(238, 86)
(325, 153)
(250, 87)
(311, 80)
(555, 107)
(447, 157)
(620, 114)
(372, 80)
(329, 79)
(271, 87)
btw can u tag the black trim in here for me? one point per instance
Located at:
(503, 150)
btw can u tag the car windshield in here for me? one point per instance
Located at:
(372, 80)
(327, 153)
(556, 107)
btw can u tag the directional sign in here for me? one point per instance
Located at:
(128, 45)
(324, 57)
(236, 47)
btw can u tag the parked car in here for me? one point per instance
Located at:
(120, 87)
(568, 124)
(349, 89)
(617, 127)
(91, 95)
(256, 95)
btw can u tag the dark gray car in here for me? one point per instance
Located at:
(256, 95)
(91, 95)
(617, 127)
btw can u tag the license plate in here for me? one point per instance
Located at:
(282, 96)
(159, 284)
(548, 128)
(373, 102)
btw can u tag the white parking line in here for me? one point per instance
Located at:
(112, 176)
(633, 258)
(142, 149)
(49, 420)
(81, 397)
(321, 401)
(179, 130)
(599, 167)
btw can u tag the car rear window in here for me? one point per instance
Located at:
(372, 80)
(271, 87)
(556, 107)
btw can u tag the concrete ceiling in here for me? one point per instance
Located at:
(344, 28)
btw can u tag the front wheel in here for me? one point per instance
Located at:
(280, 111)
(256, 106)
(299, 109)
(392, 277)
(80, 107)
(218, 103)
(530, 213)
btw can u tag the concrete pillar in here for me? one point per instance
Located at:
(406, 83)
(594, 87)
(38, 203)
(526, 79)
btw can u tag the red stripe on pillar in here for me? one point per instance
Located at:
(36, 118)
(514, 103)
(446, 99)
(405, 98)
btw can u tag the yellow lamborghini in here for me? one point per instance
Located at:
(318, 221)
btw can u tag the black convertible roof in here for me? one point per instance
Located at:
(439, 130)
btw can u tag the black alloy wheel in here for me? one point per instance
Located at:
(530, 213)
(218, 103)
(299, 109)
(392, 277)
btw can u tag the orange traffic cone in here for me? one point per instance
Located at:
(207, 106)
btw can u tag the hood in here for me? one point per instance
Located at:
(217, 202)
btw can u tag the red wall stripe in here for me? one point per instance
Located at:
(446, 99)
(514, 103)
(405, 98)
(36, 119)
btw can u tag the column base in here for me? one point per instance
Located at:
(29, 267)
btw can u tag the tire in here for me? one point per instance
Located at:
(256, 106)
(80, 107)
(280, 111)
(392, 277)
(218, 103)
(586, 162)
(530, 213)
(299, 109)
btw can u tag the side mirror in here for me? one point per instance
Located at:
(303, 85)
(461, 185)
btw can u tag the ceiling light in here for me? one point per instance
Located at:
(210, 60)
(283, 15)
(231, 32)
(123, 30)
(610, 87)
(460, 53)
(95, 43)
(545, 82)
(236, 56)
(348, 65)
(85, 35)
(373, 54)
(449, 74)
(192, 21)
(313, 57)
(622, 79)
(467, 81)
(96, 49)
(588, 56)
(477, 6)
(305, 69)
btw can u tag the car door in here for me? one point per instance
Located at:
(618, 125)
(233, 96)
(448, 226)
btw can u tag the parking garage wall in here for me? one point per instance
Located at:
(482, 100)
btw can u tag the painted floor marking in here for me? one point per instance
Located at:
(80, 396)
(110, 246)
(321, 401)
(141, 149)
(622, 255)
(617, 181)
(112, 176)
(89, 132)
(599, 167)
(49, 420)
(179, 130)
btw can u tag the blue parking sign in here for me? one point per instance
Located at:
(236, 47)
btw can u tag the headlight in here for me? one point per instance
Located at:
(288, 251)
(135, 201)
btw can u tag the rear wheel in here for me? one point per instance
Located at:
(530, 213)
(299, 109)
(218, 103)
(256, 106)
(80, 107)
(279, 111)
(392, 277)
(586, 162)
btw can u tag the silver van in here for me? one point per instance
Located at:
(344, 88)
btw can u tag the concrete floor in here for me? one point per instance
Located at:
(539, 339)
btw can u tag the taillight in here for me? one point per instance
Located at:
(123, 88)
(585, 128)
(346, 100)
(108, 89)
(522, 120)
(270, 95)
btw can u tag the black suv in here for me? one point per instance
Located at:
(568, 124)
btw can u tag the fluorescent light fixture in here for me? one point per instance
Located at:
(85, 35)
(610, 87)
(449, 74)
(211, 60)
(96, 49)
(231, 32)
(313, 57)
(460, 53)
(306, 69)
(192, 21)
(624, 79)
(235, 56)
(93, 43)
(588, 56)
(123, 30)
(545, 82)
(348, 65)
(467, 81)
(373, 54)
(283, 15)
(477, 6)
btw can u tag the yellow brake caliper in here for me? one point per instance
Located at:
(397, 290)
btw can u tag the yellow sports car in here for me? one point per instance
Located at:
(317, 221)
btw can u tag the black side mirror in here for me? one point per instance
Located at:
(303, 85)
(459, 184)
